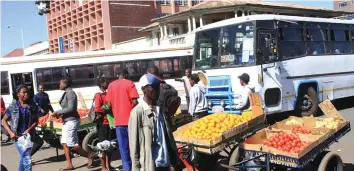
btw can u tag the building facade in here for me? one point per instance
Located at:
(76, 26)
(89, 25)
(38, 48)
(344, 5)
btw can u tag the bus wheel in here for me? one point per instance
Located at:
(307, 102)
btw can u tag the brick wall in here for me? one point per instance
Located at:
(127, 16)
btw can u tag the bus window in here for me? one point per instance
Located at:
(82, 76)
(228, 46)
(352, 39)
(5, 88)
(57, 74)
(49, 77)
(340, 39)
(317, 39)
(291, 41)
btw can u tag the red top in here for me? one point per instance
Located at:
(120, 94)
(100, 100)
(2, 106)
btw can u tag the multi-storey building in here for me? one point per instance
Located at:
(88, 25)
(80, 25)
(344, 5)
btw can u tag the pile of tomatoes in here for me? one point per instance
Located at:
(299, 129)
(286, 142)
(44, 119)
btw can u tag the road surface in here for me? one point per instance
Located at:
(46, 160)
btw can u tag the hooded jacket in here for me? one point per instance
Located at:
(197, 99)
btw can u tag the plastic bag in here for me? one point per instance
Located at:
(25, 143)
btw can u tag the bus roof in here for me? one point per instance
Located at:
(78, 55)
(237, 20)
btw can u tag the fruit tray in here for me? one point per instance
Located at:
(234, 139)
(309, 156)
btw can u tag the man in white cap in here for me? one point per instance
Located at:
(151, 142)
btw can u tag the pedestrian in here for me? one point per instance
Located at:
(186, 83)
(154, 70)
(42, 100)
(151, 142)
(23, 114)
(103, 129)
(198, 104)
(71, 119)
(244, 103)
(3, 132)
(122, 96)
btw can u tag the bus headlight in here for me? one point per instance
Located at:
(222, 103)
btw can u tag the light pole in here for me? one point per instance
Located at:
(23, 43)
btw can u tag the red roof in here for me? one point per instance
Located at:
(15, 53)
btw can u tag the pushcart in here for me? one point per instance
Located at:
(87, 136)
(316, 159)
(201, 157)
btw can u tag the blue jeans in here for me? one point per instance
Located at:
(25, 159)
(123, 142)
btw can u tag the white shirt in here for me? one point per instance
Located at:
(245, 91)
(187, 85)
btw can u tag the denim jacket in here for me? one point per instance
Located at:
(15, 114)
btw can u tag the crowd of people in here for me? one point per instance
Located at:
(142, 129)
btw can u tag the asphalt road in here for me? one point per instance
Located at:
(46, 160)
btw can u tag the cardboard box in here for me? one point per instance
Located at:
(255, 143)
(259, 117)
(330, 111)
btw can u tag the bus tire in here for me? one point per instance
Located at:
(307, 101)
(331, 161)
(235, 156)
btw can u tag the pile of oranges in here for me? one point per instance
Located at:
(214, 125)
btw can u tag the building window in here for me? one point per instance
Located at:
(158, 36)
(181, 2)
(163, 2)
(175, 31)
(158, 15)
(195, 2)
(5, 83)
(342, 5)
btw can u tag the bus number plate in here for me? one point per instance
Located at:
(217, 109)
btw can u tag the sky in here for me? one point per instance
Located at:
(23, 14)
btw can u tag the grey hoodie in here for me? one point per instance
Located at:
(198, 102)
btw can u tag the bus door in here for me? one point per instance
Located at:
(266, 52)
(23, 78)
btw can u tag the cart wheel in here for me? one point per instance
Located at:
(90, 139)
(235, 156)
(331, 162)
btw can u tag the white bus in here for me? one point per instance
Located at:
(294, 62)
(85, 68)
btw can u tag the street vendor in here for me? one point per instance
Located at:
(42, 100)
(243, 103)
(71, 119)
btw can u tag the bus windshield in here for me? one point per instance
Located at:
(229, 46)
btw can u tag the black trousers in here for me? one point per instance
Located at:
(162, 169)
(199, 115)
(37, 143)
